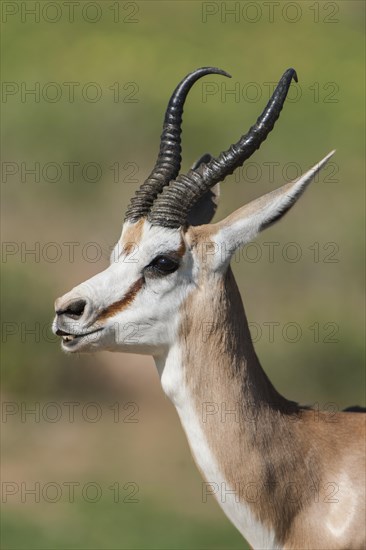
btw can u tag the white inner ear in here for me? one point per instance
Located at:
(243, 225)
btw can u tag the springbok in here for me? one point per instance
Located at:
(285, 477)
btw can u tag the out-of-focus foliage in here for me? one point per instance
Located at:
(146, 58)
(322, 292)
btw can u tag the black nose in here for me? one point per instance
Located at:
(74, 310)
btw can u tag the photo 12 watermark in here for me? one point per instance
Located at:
(52, 412)
(35, 332)
(290, 332)
(70, 11)
(269, 12)
(68, 92)
(70, 171)
(69, 492)
(224, 412)
(254, 92)
(257, 491)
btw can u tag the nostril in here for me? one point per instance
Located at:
(74, 309)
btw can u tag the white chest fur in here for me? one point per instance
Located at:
(175, 387)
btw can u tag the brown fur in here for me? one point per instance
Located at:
(123, 303)
(278, 456)
(182, 249)
(132, 236)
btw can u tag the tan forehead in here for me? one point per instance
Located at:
(132, 236)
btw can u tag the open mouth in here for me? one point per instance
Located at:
(70, 340)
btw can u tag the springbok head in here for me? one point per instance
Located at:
(168, 249)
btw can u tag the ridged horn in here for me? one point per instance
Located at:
(168, 162)
(171, 208)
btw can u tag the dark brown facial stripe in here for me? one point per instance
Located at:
(182, 249)
(123, 303)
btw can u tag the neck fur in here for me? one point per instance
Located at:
(268, 462)
(239, 427)
(218, 353)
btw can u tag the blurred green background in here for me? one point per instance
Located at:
(102, 73)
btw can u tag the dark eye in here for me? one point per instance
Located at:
(163, 265)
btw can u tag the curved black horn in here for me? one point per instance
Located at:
(171, 208)
(168, 163)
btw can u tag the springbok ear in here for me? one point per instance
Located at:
(204, 209)
(243, 225)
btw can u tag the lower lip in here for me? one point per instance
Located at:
(86, 338)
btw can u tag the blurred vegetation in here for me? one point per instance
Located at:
(147, 58)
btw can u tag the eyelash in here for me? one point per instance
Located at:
(171, 265)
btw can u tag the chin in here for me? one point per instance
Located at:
(89, 343)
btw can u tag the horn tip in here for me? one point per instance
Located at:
(224, 73)
(216, 70)
(292, 72)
